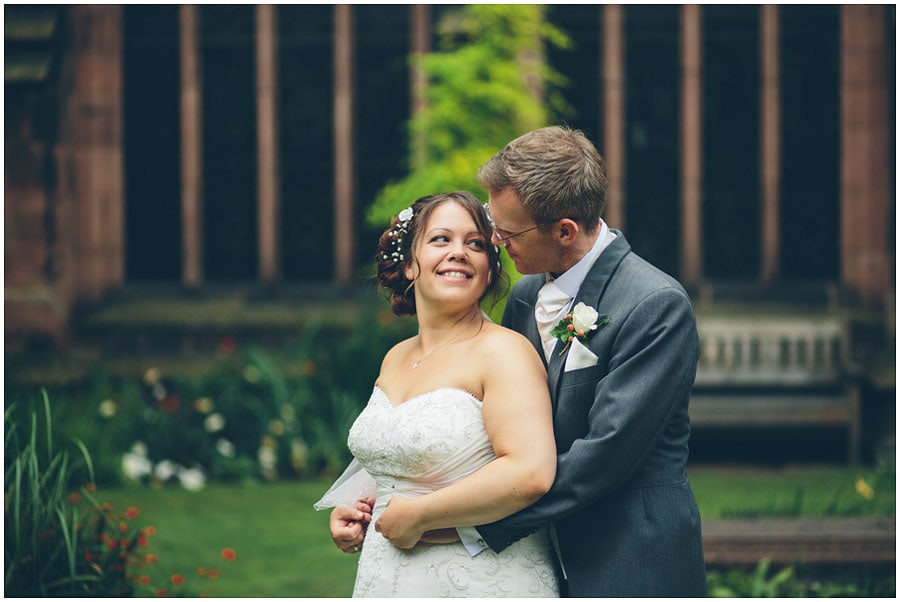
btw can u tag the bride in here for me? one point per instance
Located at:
(458, 430)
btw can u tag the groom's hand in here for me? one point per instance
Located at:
(441, 536)
(348, 525)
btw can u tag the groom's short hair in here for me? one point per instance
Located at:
(556, 171)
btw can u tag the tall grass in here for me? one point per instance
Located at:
(60, 540)
(42, 526)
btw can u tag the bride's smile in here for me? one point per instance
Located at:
(455, 275)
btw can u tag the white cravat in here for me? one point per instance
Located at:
(552, 304)
(555, 297)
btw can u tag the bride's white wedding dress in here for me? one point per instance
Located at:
(416, 447)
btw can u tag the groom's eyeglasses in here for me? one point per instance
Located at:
(503, 236)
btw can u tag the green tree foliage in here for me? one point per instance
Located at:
(488, 84)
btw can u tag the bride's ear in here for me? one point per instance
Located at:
(410, 271)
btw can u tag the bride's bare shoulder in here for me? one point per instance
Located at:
(502, 340)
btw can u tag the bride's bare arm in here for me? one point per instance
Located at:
(518, 419)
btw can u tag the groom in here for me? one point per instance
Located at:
(624, 516)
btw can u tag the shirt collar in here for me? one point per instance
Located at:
(570, 281)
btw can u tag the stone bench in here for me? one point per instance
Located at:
(775, 371)
(803, 540)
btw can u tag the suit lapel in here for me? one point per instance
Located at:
(590, 292)
(523, 316)
(530, 329)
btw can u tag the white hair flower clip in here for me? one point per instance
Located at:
(397, 234)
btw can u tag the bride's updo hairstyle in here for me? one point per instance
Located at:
(396, 245)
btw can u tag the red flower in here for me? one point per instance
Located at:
(177, 579)
(74, 498)
(170, 404)
(92, 487)
(123, 528)
(107, 506)
(160, 593)
(149, 531)
(144, 579)
(227, 345)
(212, 574)
(142, 541)
(229, 554)
(131, 513)
(152, 559)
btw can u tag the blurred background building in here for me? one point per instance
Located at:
(209, 147)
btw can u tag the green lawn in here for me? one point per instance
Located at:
(809, 491)
(284, 550)
(282, 544)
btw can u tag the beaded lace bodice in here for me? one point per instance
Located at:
(422, 444)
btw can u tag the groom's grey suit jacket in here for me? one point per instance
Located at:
(624, 513)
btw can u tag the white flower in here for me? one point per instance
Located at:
(159, 391)
(299, 453)
(192, 479)
(136, 466)
(288, 413)
(584, 318)
(204, 405)
(225, 447)
(214, 423)
(152, 376)
(165, 470)
(107, 408)
(251, 374)
(267, 462)
(406, 214)
(139, 448)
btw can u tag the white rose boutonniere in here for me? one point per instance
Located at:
(578, 324)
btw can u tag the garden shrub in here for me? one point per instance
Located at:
(257, 413)
(795, 581)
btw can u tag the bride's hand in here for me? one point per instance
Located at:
(348, 526)
(398, 523)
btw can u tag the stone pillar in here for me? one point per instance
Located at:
(770, 143)
(191, 150)
(420, 31)
(344, 172)
(691, 147)
(866, 265)
(613, 61)
(267, 136)
(95, 139)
